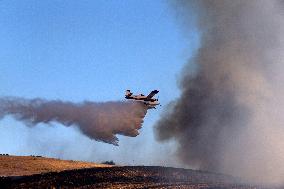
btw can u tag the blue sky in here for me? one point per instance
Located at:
(89, 50)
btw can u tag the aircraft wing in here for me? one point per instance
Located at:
(152, 94)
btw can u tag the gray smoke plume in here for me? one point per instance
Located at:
(230, 115)
(98, 121)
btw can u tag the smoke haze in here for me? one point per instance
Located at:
(98, 121)
(229, 117)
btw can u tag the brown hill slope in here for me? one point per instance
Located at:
(28, 165)
(39, 172)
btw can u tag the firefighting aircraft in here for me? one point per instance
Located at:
(149, 101)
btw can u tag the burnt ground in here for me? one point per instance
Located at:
(125, 177)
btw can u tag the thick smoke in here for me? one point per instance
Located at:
(230, 117)
(98, 121)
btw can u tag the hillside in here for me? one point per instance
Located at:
(41, 172)
(28, 165)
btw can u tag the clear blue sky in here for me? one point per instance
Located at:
(89, 50)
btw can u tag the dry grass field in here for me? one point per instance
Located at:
(28, 165)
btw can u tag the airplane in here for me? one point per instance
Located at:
(149, 101)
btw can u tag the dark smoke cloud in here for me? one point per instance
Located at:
(98, 121)
(229, 115)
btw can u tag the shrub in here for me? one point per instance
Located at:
(108, 162)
